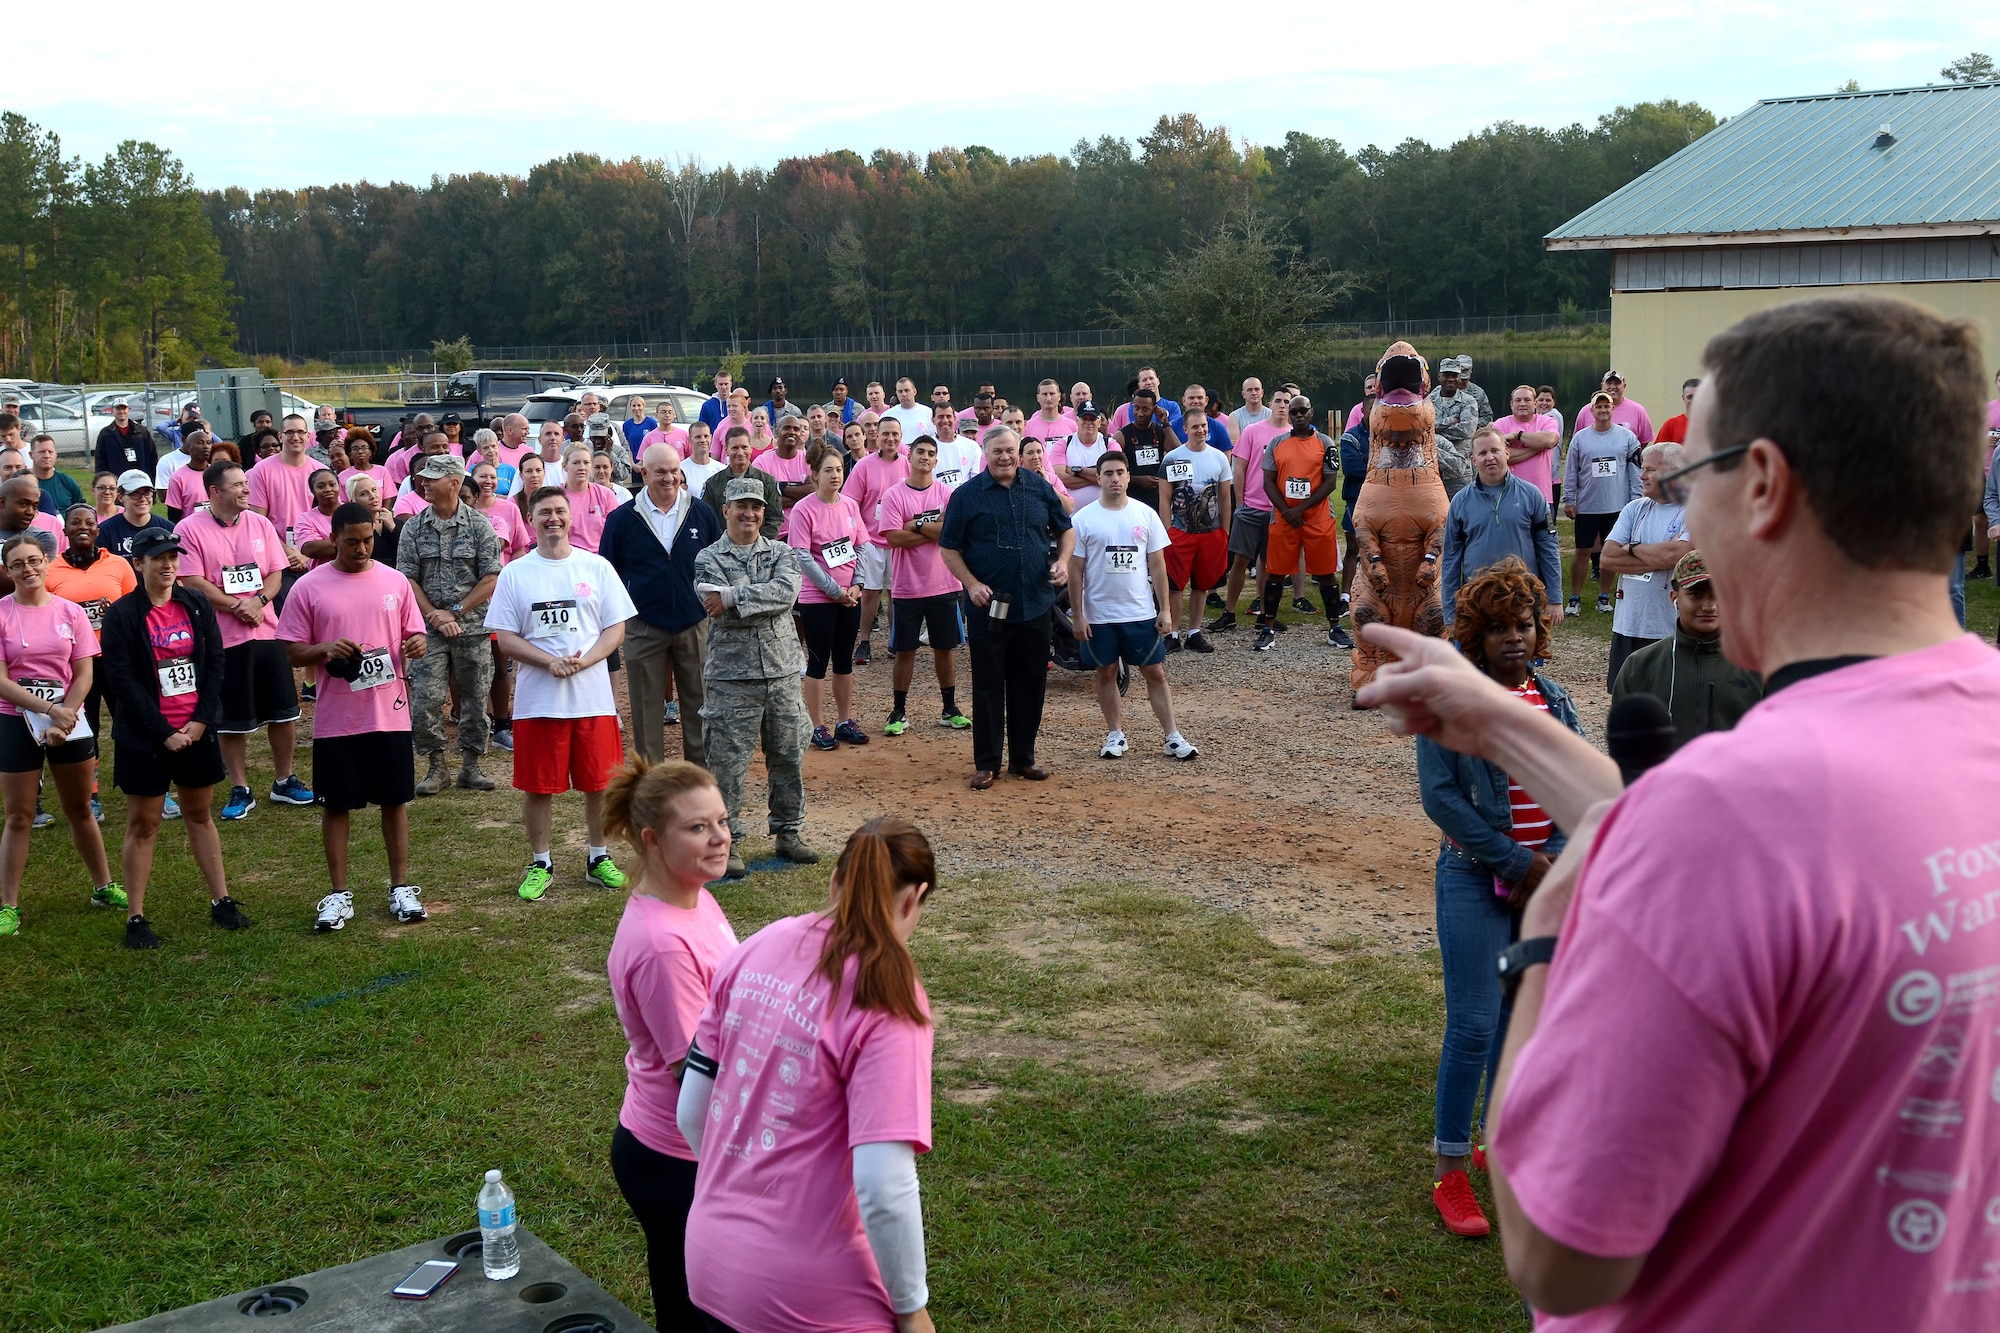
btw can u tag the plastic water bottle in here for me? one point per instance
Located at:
(498, 1250)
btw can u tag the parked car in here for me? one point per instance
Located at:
(478, 396)
(61, 421)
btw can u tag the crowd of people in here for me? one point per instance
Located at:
(505, 585)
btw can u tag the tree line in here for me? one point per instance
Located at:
(583, 249)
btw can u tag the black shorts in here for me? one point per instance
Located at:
(615, 661)
(20, 752)
(257, 688)
(1592, 529)
(909, 615)
(830, 631)
(374, 768)
(149, 770)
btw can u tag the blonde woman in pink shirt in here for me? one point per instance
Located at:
(1035, 460)
(670, 940)
(815, 1051)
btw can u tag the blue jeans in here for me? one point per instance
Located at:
(1474, 925)
(1958, 587)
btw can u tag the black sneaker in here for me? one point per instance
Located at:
(1281, 627)
(1173, 643)
(1215, 602)
(139, 934)
(863, 654)
(1304, 607)
(1266, 639)
(225, 913)
(1336, 637)
(1227, 620)
(1981, 570)
(1197, 642)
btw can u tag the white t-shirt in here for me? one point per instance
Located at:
(1083, 455)
(697, 474)
(560, 606)
(1115, 545)
(1645, 608)
(914, 420)
(959, 461)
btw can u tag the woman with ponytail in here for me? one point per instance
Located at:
(807, 1096)
(670, 941)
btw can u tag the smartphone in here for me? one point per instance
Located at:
(425, 1278)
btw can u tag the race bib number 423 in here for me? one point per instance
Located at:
(555, 618)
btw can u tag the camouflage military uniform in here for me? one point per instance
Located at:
(1457, 419)
(446, 557)
(753, 678)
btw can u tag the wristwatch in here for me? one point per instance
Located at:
(1518, 957)
(457, 607)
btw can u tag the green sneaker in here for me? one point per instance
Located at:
(536, 882)
(954, 719)
(898, 724)
(604, 871)
(111, 895)
(10, 920)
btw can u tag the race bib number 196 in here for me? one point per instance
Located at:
(837, 552)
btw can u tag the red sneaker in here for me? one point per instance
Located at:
(1458, 1207)
(1478, 1157)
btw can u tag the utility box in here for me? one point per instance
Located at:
(548, 1295)
(228, 398)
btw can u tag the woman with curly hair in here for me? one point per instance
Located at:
(1497, 845)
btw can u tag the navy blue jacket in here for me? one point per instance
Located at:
(1466, 797)
(661, 585)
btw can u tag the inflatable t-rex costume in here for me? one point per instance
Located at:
(1399, 518)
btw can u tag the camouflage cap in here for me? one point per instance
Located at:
(743, 488)
(1689, 570)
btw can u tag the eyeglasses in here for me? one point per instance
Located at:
(1675, 485)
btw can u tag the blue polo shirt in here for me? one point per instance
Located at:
(1004, 535)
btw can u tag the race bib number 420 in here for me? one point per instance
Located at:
(1180, 470)
(555, 618)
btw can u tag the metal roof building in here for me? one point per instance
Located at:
(1897, 191)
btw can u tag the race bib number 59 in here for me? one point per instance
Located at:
(1604, 467)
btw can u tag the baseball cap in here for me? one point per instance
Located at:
(120, 402)
(840, 383)
(777, 383)
(1611, 375)
(132, 480)
(1689, 570)
(743, 488)
(154, 541)
(450, 419)
(441, 465)
(1089, 409)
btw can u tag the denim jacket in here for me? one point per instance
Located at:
(1467, 799)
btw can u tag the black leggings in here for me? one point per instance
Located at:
(830, 630)
(1273, 585)
(660, 1190)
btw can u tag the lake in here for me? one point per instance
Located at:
(1336, 384)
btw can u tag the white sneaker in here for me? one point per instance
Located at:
(335, 911)
(1114, 746)
(1177, 747)
(405, 902)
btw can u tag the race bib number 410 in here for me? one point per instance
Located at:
(555, 618)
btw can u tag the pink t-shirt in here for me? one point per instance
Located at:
(281, 490)
(831, 534)
(804, 1078)
(1354, 416)
(675, 435)
(237, 559)
(509, 527)
(312, 526)
(1627, 414)
(587, 511)
(869, 482)
(511, 456)
(1794, 1012)
(1251, 450)
(410, 503)
(1538, 471)
(377, 610)
(401, 462)
(43, 643)
(377, 471)
(52, 525)
(661, 962)
(786, 472)
(1055, 436)
(186, 491)
(917, 571)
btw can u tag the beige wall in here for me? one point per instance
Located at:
(1657, 337)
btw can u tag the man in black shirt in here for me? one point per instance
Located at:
(1146, 440)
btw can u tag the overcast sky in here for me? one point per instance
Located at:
(282, 95)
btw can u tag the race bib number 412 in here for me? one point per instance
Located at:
(1122, 559)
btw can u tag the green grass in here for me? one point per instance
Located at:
(1149, 1115)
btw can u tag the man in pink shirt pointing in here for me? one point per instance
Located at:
(1752, 1075)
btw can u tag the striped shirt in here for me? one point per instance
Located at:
(1532, 825)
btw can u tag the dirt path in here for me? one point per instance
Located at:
(1298, 811)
